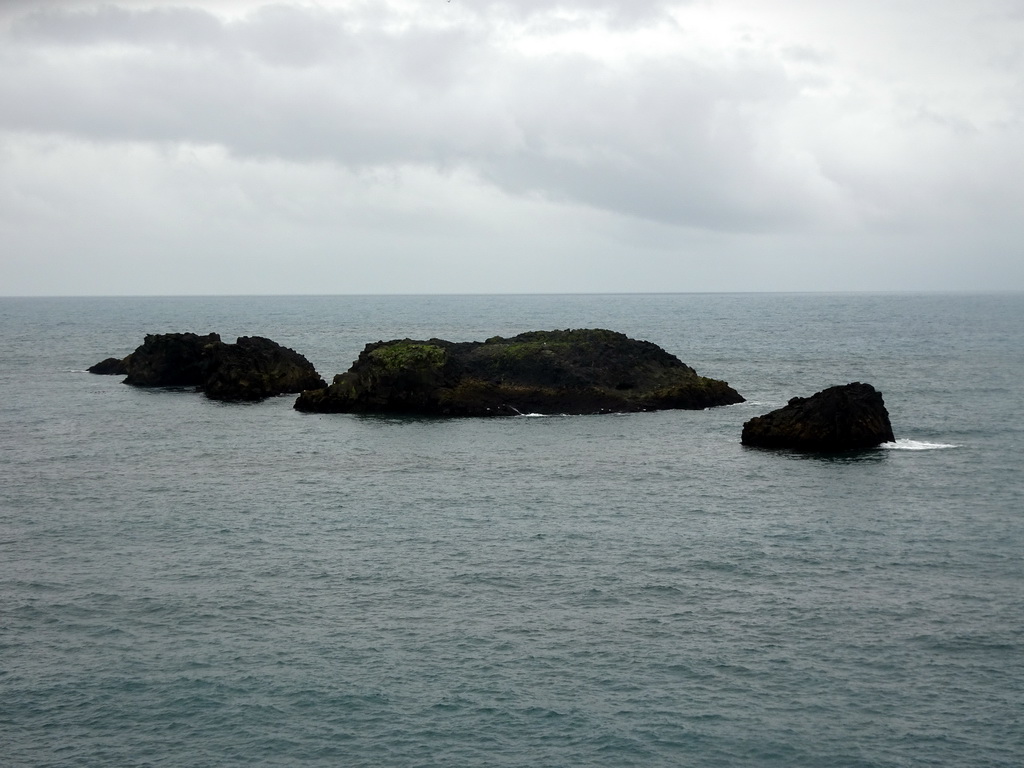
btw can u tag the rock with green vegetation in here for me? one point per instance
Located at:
(253, 368)
(550, 372)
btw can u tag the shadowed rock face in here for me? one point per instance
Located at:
(571, 372)
(112, 366)
(171, 360)
(253, 368)
(843, 418)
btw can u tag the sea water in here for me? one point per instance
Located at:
(192, 583)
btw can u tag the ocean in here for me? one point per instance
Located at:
(192, 583)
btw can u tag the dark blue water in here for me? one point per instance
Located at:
(184, 582)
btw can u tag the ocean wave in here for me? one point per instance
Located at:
(904, 444)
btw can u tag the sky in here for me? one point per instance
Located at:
(215, 147)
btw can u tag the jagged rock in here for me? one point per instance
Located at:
(112, 366)
(171, 360)
(843, 418)
(250, 369)
(570, 372)
(254, 368)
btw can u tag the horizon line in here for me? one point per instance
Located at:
(888, 291)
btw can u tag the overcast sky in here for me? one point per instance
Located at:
(489, 146)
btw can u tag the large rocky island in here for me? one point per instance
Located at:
(549, 372)
(253, 368)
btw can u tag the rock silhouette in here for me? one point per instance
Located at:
(112, 366)
(843, 418)
(253, 368)
(565, 372)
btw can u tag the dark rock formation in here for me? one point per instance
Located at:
(112, 366)
(571, 372)
(254, 368)
(250, 369)
(843, 418)
(172, 360)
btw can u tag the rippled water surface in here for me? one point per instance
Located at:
(184, 582)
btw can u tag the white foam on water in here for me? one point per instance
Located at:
(903, 444)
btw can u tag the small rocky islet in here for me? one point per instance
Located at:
(850, 417)
(253, 368)
(575, 371)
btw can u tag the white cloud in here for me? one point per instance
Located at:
(754, 131)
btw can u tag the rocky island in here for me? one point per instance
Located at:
(844, 418)
(551, 372)
(253, 368)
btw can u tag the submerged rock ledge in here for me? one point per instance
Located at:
(253, 368)
(552, 372)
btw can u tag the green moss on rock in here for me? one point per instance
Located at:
(567, 371)
(401, 355)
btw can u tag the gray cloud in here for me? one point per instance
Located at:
(668, 140)
(619, 13)
(60, 25)
(661, 120)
